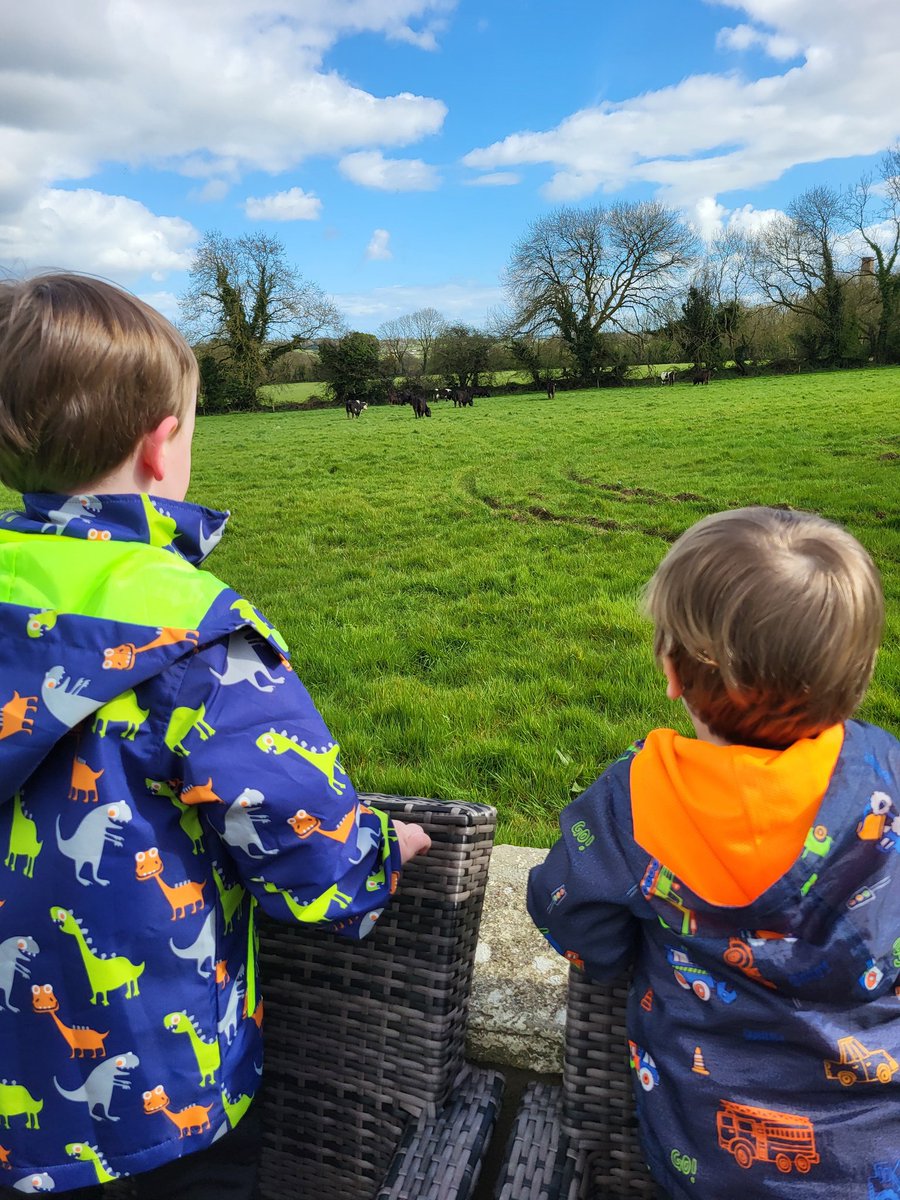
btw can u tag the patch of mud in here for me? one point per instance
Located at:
(641, 493)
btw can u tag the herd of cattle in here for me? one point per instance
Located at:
(668, 377)
(417, 398)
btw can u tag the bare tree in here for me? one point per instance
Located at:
(797, 263)
(398, 339)
(427, 325)
(579, 270)
(247, 299)
(873, 212)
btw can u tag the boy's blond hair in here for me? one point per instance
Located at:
(772, 619)
(85, 371)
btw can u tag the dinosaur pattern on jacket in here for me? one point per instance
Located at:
(125, 708)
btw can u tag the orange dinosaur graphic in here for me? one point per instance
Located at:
(4, 1158)
(766, 1135)
(83, 780)
(193, 1119)
(201, 793)
(304, 824)
(121, 658)
(149, 865)
(14, 716)
(222, 976)
(80, 1039)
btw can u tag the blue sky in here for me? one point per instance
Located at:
(399, 148)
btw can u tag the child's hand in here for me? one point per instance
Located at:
(413, 840)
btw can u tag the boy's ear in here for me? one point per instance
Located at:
(673, 683)
(154, 446)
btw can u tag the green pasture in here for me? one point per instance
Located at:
(460, 593)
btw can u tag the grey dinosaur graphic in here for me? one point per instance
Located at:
(37, 1181)
(242, 665)
(15, 954)
(209, 541)
(97, 1090)
(232, 1015)
(85, 846)
(366, 842)
(203, 948)
(64, 699)
(241, 819)
(74, 509)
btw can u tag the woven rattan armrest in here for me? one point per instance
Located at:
(579, 1141)
(440, 1156)
(365, 1040)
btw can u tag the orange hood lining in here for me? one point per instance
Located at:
(728, 821)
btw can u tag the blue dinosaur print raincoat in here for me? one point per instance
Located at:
(764, 1011)
(162, 772)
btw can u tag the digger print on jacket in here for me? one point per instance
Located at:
(756, 894)
(162, 773)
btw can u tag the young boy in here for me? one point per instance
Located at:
(751, 875)
(162, 772)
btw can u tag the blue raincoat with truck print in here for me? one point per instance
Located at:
(162, 773)
(757, 894)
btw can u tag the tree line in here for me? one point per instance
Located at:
(591, 293)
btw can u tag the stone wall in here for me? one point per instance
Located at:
(518, 1007)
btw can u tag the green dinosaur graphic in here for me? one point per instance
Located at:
(324, 760)
(230, 898)
(189, 818)
(23, 841)
(235, 1109)
(206, 1051)
(121, 710)
(316, 910)
(105, 974)
(86, 1153)
(39, 622)
(181, 722)
(161, 527)
(17, 1101)
(248, 613)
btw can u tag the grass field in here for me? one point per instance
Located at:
(460, 593)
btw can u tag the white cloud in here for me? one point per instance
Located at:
(745, 37)
(212, 190)
(495, 179)
(292, 205)
(85, 230)
(712, 133)
(370, 168)
(162, 85)
(710, 218)
(379, 245)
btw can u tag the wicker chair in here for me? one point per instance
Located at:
(579, 1141)
(366, 1093)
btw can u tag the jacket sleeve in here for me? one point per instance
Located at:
(578, 897)
(253, 752)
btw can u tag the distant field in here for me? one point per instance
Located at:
(281, 394)
(460, 593)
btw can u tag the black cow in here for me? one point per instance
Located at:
(354, 406)
(417, 401)
(462, 398)
(551, 389)
(701, 377)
